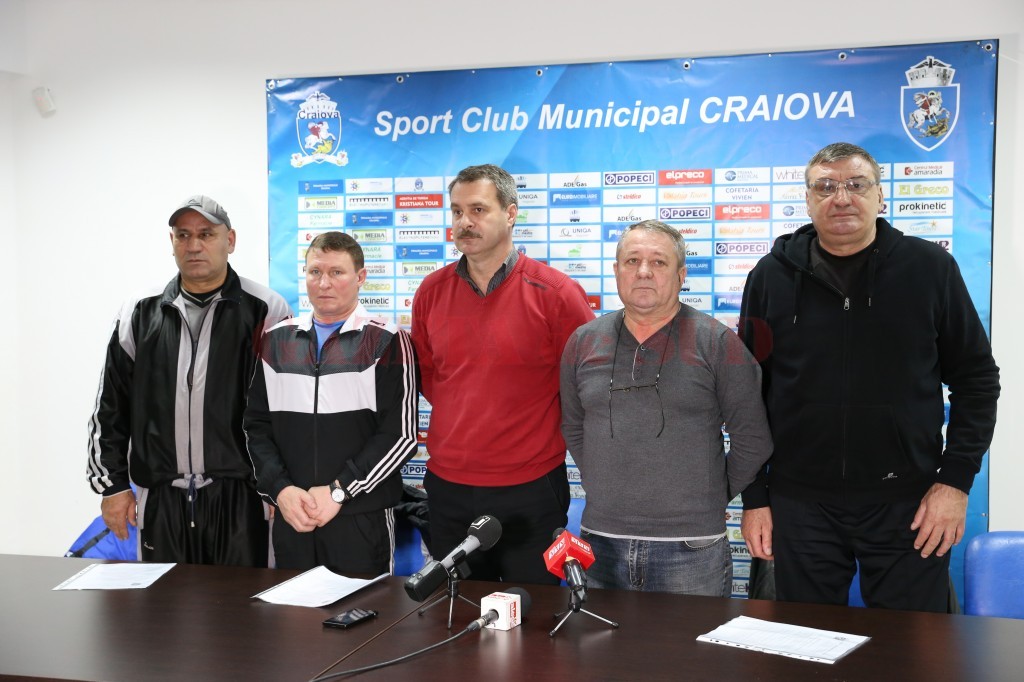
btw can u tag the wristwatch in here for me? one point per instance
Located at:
(339, 494)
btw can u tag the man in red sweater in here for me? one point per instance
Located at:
(489, 332)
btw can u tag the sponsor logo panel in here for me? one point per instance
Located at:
(403, 218)
(924, 226)
(575, 232)
(575, 215)
(698, 176)
(936, 207)
(743, 193)
(906, 190)
(574, 197)
(789, 211)
(429, 184)
(906, 171)
(321, 203)
(419, 201)
(530, 233)
(574, 180)
(369, 185)
(315, 220)
(669, 213)
(752, 230)
(742, 211)
(734, 266)
(420, 251)
(618, 178)
(742, 175)
(685, 195)
(419, 234)
(369, 218)
(638, 195)
(629, 214)
(582, 250)
(369, 202)
(741, 248)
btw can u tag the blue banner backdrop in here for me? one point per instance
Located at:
(713, 146)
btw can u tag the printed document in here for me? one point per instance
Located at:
(316, 587)
(809, 644)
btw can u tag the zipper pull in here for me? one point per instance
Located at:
(846, 303)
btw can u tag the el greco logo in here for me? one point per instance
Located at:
(629, 178)
(318, 127)
(930, 102)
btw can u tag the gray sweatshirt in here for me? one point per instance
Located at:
(652, 458)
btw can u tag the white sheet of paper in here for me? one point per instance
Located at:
(795, 641)
(128, 576)
(316, 587)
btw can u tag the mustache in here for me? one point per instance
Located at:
(467, 233)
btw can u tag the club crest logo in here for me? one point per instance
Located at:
(930, 103)
(318, 128)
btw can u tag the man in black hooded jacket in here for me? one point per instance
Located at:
(857, 328)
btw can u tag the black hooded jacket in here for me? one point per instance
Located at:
(853, 380)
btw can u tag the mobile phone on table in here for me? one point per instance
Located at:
(347, 619)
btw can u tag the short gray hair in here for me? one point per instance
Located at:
(839, 151)
(662, 228)
(503, 181)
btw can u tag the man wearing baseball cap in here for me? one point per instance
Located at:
(168, 415)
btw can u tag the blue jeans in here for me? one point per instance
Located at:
(701, 567)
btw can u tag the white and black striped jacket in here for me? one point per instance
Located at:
(351, 416)
(169, 409)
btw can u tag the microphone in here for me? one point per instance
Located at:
(502, 610)
(569, 557)
(483, 534)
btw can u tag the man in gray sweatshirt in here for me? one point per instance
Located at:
(645, 392)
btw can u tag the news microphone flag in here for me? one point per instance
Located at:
(567, 547)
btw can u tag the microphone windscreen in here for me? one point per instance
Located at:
(525, 601)
(487, 530)
(558, 531)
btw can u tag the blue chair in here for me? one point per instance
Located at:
(994, 574)
(576, 506)
(409, 550)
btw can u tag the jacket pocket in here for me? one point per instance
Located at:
(875, 450)
(808, 444)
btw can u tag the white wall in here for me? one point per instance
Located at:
(159, 100)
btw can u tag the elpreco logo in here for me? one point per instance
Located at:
(700, 176)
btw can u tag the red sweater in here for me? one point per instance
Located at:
(490, 369)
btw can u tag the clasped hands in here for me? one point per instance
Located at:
(305, 510)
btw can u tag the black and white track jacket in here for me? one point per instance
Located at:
(169, 411)
(351, 416)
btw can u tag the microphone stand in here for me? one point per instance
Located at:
(576, 606)
(451, 594)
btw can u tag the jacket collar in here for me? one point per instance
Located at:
(231, 291)
(359, 318)
(794, 250)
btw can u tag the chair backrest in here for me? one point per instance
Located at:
(576, 505)
(994, 574)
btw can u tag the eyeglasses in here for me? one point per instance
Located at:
(635, 389)
(827, 187)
